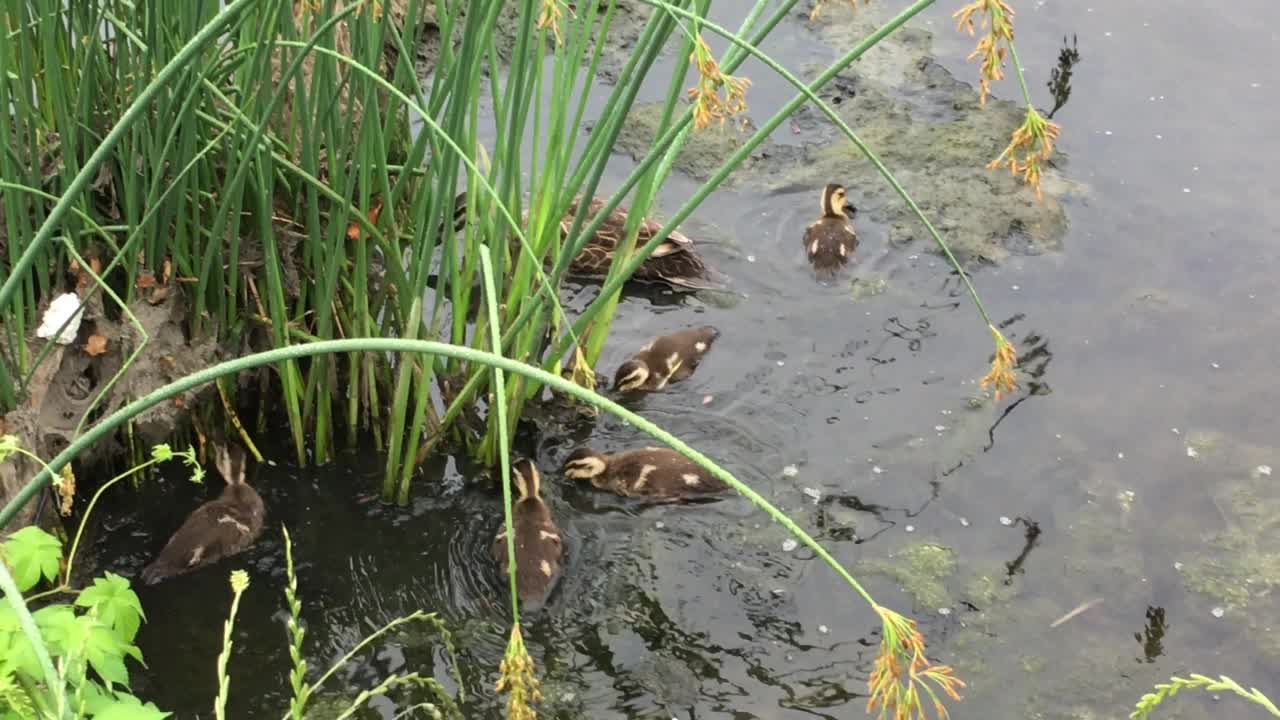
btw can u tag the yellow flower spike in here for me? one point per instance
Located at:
(550, 17)
(518, 680)
(1030, 143)
(708, 106)
(817, 8)
(1002, 365)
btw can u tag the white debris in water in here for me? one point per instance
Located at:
(1215, 366)
(823, 629)
(659, 524)
(1120, 456)
(1264, 470)
(781, 363)
(877, 469)
(1159, 136)
(814, 493)
(788, 545)
(1175, 431)
(1255, 85)
(751, 258)
(1177, 566)
(1186, 190)
(1106, 132)
(939, 428)
(1014, 287)
(1192, 452)
(66, 305)
(911, 528)
(1218, 611)
(779, 592)
(1006, 520)
(964, 522)
(790, 471)
(944, 611)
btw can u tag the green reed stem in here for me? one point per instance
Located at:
(428, 347)
(504, 450)
(179, 63)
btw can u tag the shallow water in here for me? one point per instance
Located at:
(1145, 340)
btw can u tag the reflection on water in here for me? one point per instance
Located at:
(1060, 76)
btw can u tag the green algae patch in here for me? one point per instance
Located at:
(921, 570)
(704, 151)
(1241, 563)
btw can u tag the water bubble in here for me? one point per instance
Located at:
(1218, 611)
(823, 629)
(790, 471)
(788, 545)
(964, 522)
(944, 611)
(1006, 520)
(911, 528)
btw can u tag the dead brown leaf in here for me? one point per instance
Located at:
(146, 279)
(95, 345)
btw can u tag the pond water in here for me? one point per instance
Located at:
(1132, 467)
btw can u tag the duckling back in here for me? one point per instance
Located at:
(538, 548)
(217, 529)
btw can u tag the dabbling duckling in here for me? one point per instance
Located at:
(538, 547)
(668, 358)
(217, 529)
(829, 241)
(646, 472)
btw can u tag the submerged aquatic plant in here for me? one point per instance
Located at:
(1032, 142)
(1151, 700)
(903, 678)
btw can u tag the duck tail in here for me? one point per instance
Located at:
(827, 264)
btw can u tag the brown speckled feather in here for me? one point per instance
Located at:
(829, 243)
(659, 472)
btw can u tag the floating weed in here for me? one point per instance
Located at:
(708, 106)
(902, 677)
(1002, 365)
(518, 679)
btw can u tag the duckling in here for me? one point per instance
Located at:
(674, 262)
(644, 472)
(830, 240)
(217, 529)
(538, 547)
(668, 358)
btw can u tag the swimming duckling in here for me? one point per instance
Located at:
(674, 262)
(645, 472)
(830, 240)
(668, 358)
(217, 529)
(538, 546)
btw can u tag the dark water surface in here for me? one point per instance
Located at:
(1138, 448)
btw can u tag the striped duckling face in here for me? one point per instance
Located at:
(586, 464)
(632, 375)
(525, 477)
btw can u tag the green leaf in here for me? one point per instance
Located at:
(57, 624)
(32, 552)
(8, 446)
(103, 649)
(128, 707)
(115, 604)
